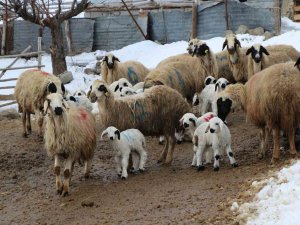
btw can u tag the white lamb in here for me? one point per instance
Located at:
(190, 123)
(209, 94)
(127, 142)
(217, 135)
(116, 85)
(79, 99)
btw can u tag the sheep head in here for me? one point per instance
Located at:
(55, 105)
(54, 86)
(192, 46)
(257, 52)
(79, 93)
(224, 105)
(112, 133)
(188, 120)
(232, 43)
(209, 80)
(98, 90)
(109, 60)
(215, 125)
(221, 84)
(202, 49)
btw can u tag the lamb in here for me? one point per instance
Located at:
(208, 80)
(209, 94)
(127, 142)
(178, 76)
(238, 60)
(270, 100)
(112, 70)
(146, 112)
(79, 98)
(218, 137)
(190, 123)
(259, 58)
(30, 92)
(70, 136)
(124, 91)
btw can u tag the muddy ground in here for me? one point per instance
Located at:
(161, 195)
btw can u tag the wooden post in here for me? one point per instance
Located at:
(4, 29)
(194, 20)
(226, 14)
(68, 35)
(277, 17)
(40, 48)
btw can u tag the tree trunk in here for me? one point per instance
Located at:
(59, 64)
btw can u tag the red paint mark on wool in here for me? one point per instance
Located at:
(209, 117)
(41, 72)
(83, 114)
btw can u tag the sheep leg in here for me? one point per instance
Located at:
(214, 107)
(143, 158)
(118, 165)
(28, 124)
(263, 143)
(124, 162)
(204, 107)
(87, 168)
(208, 155)
(194, 162)
(163, 154)
(172, 142)
(57, 166)
(217, 159)
(135, 161)
(24, 124)
(199, 155)
(276, 147)
(291, 136)
(40, 121)
(231, 157)
(67, 176)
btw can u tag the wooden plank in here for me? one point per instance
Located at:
(9, 103)
(4, 29)
(297, 17)
(22, 55)
(21, 67)
(297, 8)
(7, 87)
(7, 97)
(39, 52)
(194, 20)
(277, 17)
(10, 79)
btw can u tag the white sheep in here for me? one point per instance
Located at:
(112, 69)
(117, 85)
(216, 134)
(127, 142)
(190, 123)
(70, 136)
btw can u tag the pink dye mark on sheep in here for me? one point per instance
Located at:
(83, 114)
(41, 72)
(209, 117)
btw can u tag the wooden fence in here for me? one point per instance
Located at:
(24, 53)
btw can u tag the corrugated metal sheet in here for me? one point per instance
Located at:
(114, 32)
(170, 25)
(25, 33)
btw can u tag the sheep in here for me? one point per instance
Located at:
(238, 58)
(30, 92)
(112, 70)
(270, 100)
(190, 123)
(127, 142)
(147, 112)
(209, 94)
(124, 91)
(79, 93)
(192, 46)
(70, 136)
(209, 80)
(259, 58)
(218, 137)
(178, 76)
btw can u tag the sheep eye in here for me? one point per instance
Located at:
(217, 124)
(125, 84)
(126, 92)
(79, 94)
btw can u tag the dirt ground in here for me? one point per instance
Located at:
(161, 195)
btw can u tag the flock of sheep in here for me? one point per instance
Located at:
(134, 101)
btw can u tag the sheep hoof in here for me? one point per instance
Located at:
(142, 170)
(59, 191)
(86, 176)
(260, 156)
(178, 142)
(235, 165)
(65, 194)
(216, 168)
(119, 175)
(200, 168)
(161, 142)
(25, 135)
(123, 178)
(274, 160)
(293, 156)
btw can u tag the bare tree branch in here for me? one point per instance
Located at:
(80, 7)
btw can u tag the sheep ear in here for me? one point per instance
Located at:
(51, 88)
(215, 81)
(46, 106)
(157, 82)
(216, 86)
(115, 59)
(105, 59)
(207, 128)
(193, 121)
(117, 132)
(117, 87)
(181, 121)
(263, 50)
(224, 44)
(249, 50)
(104, 133)
(237, 42)
(63, 88)
(297, 64)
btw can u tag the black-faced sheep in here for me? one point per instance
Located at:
(147, 112)
(112, 70)
(70, 136)
(129, 142)
(270, 100)
(31, 90)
